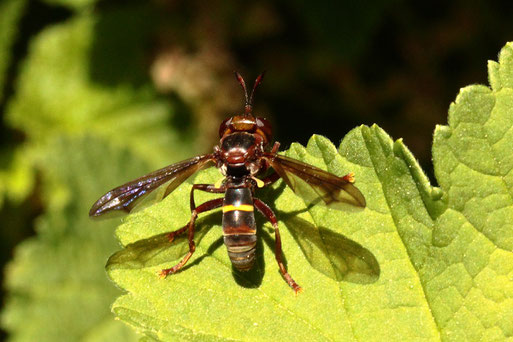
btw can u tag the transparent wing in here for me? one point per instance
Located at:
(132, 194)
(315, 185)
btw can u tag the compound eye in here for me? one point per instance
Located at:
(225, 126)
(264, 128)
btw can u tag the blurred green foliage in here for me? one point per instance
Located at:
(10, 13)
(94, 93)
(81, 138)
(56, 281)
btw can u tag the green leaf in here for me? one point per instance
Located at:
(472, 293)
(10, 14)
(56, 280)
(444, 254)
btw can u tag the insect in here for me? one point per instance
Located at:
(244, 153)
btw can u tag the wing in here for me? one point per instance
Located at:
(130, 195)
(315, 185)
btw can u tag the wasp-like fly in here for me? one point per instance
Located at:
(244, 153)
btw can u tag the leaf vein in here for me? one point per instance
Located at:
(276, 303)
(396, 222)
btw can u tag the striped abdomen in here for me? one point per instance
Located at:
(239, 228)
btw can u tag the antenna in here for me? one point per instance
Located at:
(243, 85)
(258, 80)
(248, 108)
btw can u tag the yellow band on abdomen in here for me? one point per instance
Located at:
(242, 207)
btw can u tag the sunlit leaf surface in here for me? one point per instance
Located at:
(439, 261)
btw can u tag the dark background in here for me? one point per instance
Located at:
(331, 66)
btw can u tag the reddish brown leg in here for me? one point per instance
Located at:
(273, 177)
(269, 214)
(171, 236)
(207, 188)
(212, 204)
(275, 148)
(203, 187)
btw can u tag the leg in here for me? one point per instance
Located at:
(203, 187)
(269, 214)
(273, 177)
(276, 146)
(171, 236)
(212, 204)
(207, 188)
